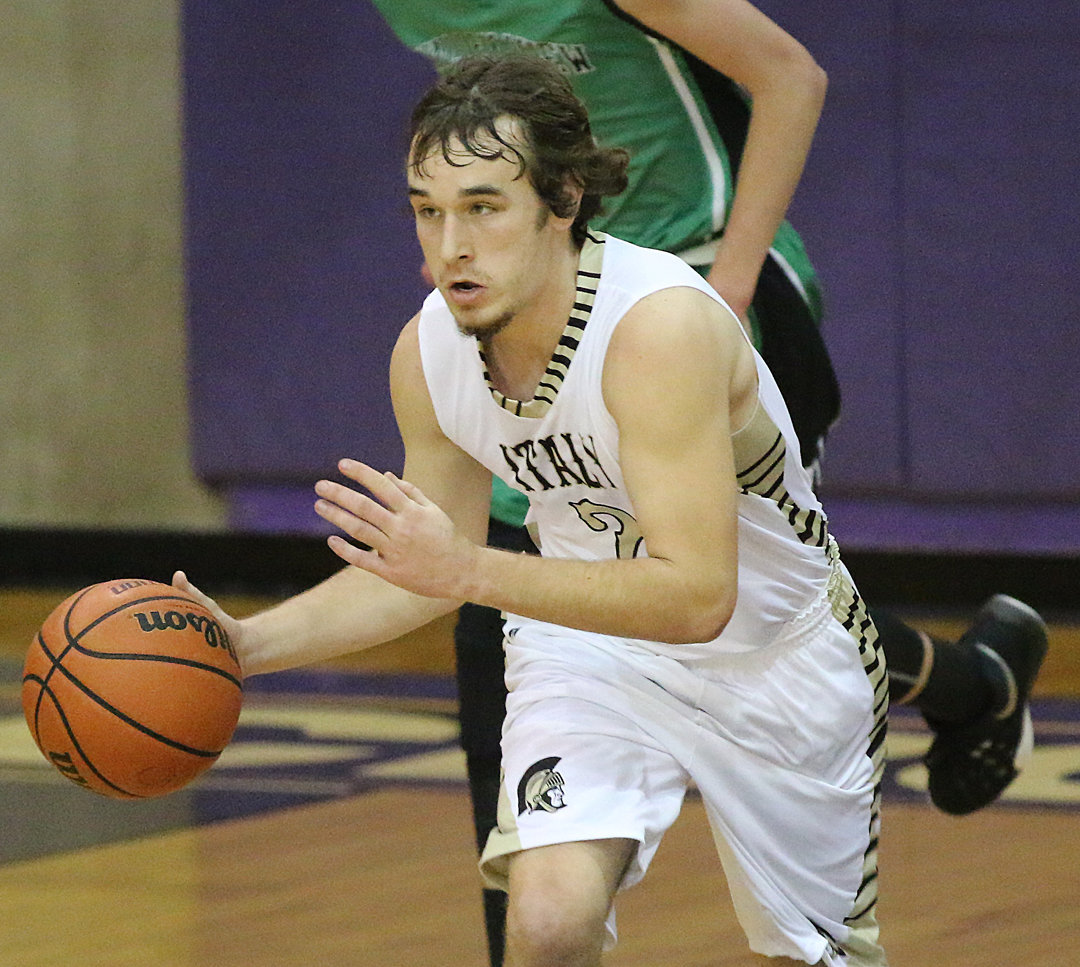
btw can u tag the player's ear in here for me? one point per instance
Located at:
(572, 193)
(566, 207)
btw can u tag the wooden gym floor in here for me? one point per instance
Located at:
(337, 833)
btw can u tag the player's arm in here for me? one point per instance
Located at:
(678, 376)
(675, 452)
(354, 609)
(787, 88)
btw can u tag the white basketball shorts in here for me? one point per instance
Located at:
(602, 741)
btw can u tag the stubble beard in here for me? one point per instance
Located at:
(486, 330)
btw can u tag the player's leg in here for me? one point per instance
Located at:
(481, 707)
(579, 768)
(790, 779)
(941, 678)
(560, 896)
(974, 693)
(478, 650)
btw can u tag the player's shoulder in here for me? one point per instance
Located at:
(669, 311)
(627, 260)
(677, 317)
(407, 347)
(632, 272)
(650, 282)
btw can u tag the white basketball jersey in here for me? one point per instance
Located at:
(561, 449)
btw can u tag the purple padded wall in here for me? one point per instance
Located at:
(301, 262)
(991, 251)
(940, 208)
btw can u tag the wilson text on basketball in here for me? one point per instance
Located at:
(215, 635)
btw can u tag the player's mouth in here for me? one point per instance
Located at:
(465, 292)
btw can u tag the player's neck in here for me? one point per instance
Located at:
(519, 354)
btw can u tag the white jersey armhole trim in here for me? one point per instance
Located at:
(702, 256)
(792, 275)
(717, 176)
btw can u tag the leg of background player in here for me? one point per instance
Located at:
(482, 706)
(974, 695)
(478, 649)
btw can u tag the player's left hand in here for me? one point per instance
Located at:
(412, 542)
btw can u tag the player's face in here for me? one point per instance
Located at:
(487, 238)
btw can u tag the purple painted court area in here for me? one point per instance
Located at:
(314, 735)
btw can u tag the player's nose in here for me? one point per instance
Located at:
(455, 243)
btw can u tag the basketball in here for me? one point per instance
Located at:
(131, 689)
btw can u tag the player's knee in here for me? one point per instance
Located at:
(553, 931)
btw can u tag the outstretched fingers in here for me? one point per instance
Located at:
(356, 514)
(399, 530)
(357, 527)
(388, 489)
(411, 491)
(367, 519)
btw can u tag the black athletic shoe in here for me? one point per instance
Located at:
(970, 765)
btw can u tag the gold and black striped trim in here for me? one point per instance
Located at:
(851, 611)
(588, 279)
(764, 476)
(760, 454)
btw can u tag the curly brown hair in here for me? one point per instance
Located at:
(559, 150)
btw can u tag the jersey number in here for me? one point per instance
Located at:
(599, 517)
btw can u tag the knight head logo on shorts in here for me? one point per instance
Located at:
(541, 787)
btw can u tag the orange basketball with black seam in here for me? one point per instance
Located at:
(131, 688)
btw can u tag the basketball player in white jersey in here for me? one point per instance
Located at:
(689, 620)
